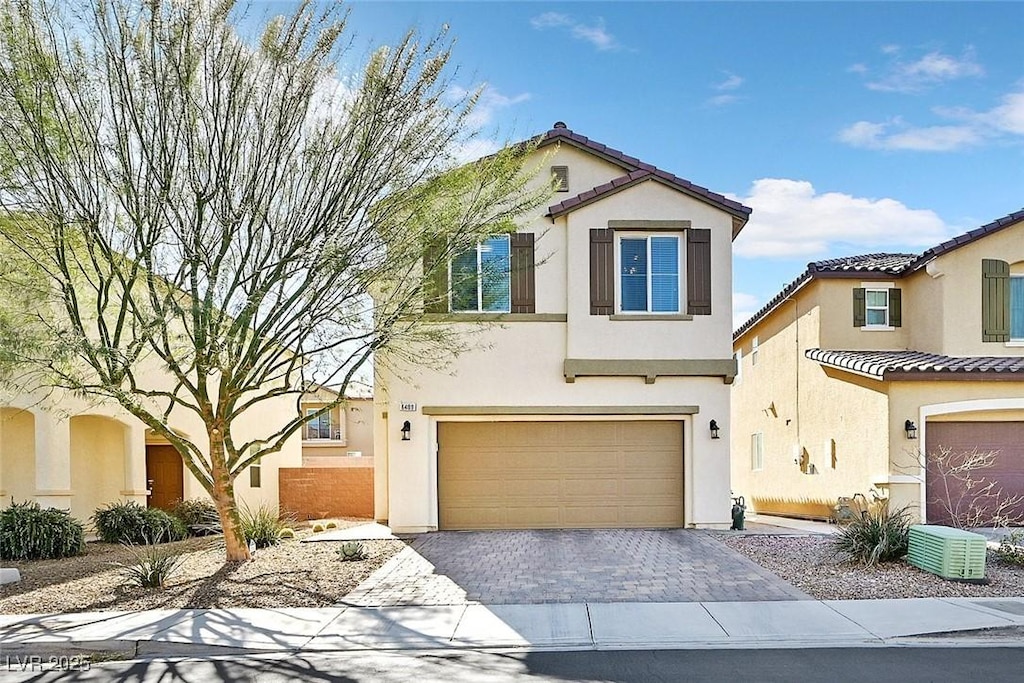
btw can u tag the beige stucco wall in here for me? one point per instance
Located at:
(17, 455)
(835, 298)
(803, 412)
(955, 296)
(522, 363)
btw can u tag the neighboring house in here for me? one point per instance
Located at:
(342, 437)
(590, 404)
(336, 476)
(70, 454)
(863, 369)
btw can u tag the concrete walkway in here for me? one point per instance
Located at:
(774, 624)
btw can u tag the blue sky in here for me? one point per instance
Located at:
(849, 128)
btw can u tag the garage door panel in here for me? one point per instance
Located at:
(1004, 439)
(560, 474)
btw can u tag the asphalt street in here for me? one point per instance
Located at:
(835, 665)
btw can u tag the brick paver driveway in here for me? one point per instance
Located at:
(604, 565)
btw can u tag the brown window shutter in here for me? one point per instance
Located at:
(895, 308)
(560, 174)
(524, 298)
(698, 271)
(860, 307)
(995, 300)
(602, 271)
(435, 280)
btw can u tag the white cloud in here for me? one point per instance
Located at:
(490, 102)
(971, 128)
(731, 82)
(596, 34)
(928, 70)
(744, 306)
(722, 100)
(791, 219)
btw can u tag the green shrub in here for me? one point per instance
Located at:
(129, 522)
(318, 527)
(152, 565)
(878, 536)
(29, 532)
(287, 532)
(1011, 548)
(262, 525)
(198, 515)
(331, 525)
(351, 551)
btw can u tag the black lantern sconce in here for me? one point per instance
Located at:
(910, 428)
(714, 429)
(406, 430)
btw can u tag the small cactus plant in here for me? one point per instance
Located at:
(286, 533)
(331, 525)
(318, 527)
(351, 551)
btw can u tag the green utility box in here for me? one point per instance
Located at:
(950, 553)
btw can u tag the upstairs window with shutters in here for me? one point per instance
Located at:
(1017, 308)
(650, 272)
(481, 278)
(995, 301)
(877, 307)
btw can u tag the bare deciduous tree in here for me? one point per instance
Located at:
(965, 496)
(222, 207)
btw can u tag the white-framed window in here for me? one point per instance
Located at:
(255, 471)
(753, 351)
(757, 451)
(320, 427)
(1017, 308)
(876, 307)
(650, 273)
(481, 278)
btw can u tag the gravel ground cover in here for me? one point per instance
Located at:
(808, 563)
(290, 574)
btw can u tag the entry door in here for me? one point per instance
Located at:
(164, 476)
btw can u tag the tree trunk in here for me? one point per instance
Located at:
(227, 508)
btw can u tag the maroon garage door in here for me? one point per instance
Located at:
(1006, 438)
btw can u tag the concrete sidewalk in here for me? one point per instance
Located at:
(624, 625)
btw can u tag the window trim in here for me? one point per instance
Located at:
(757, 451)
(885, 287)
(1014, 341)
(754, 348)
(479, 280)
(645, 235)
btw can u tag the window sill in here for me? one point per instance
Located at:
(495, 317)
(650, 316)
(1015, 343)
(878, 328)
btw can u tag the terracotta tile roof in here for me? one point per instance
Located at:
(895, 265)
(968, 237)
(636, 171)
(907, 364)
(890, 264)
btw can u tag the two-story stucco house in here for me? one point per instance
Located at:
(863, 371)
(590, 404)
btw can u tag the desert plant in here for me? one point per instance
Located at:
(262, 525)
(198, 515)
(152, 565)
(29, 532)
(129, 522)
(351, 551)
(880, 535)
(287, 532)
(1011, 548)
(331, 525)
(318, 527)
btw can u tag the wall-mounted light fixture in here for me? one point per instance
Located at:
(714, 429)
(910, 428)
(406, 430)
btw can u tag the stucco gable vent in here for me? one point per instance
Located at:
(561, 176)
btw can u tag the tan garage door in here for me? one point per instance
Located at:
(946, 490)
(552, 475)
